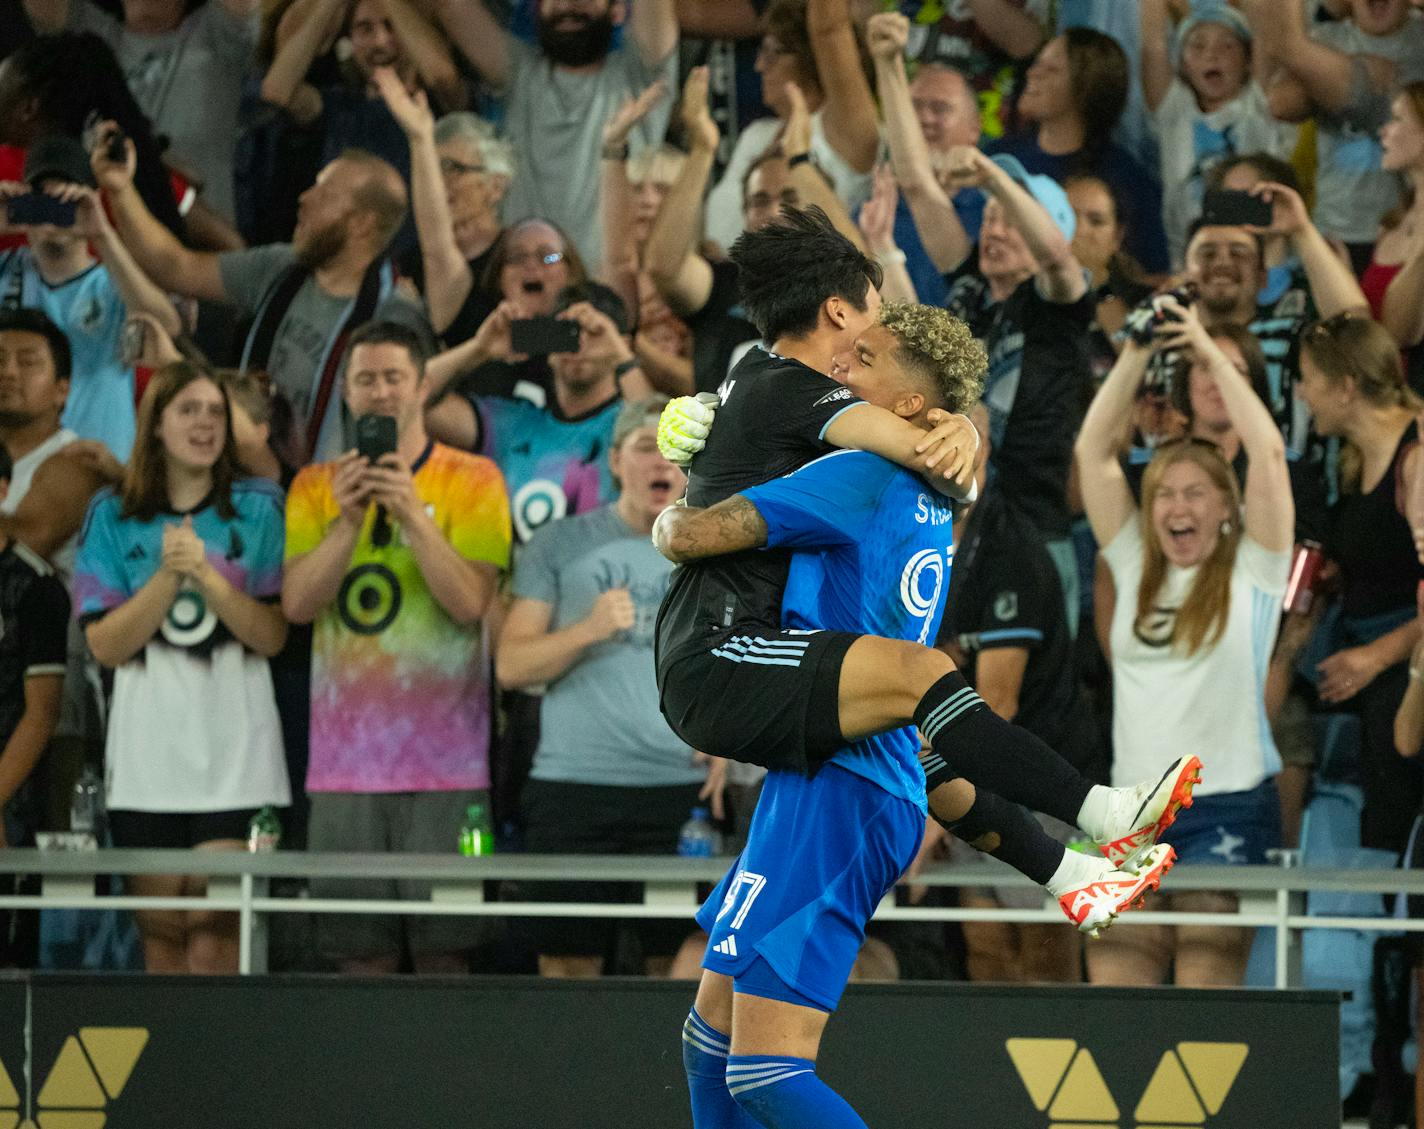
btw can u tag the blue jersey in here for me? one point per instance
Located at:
(875, 546)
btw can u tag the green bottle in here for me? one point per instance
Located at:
(476, 833)
(265, 830)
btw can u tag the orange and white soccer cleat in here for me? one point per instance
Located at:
(1093, 906)
(1139, 816)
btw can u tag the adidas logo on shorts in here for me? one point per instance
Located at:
(727, 948)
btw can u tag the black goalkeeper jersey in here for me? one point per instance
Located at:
(773, 419)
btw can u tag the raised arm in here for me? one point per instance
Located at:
(1332, 282)
(479, 37)
(1156, 63)
(159, 255)
(429, 51)
(138, 291)
(877, 224)
(1327, 77)
(1269, 506)
(726, 19)
(686, 533)
(285, 82)
(848, 115)
(448, 278)
(682, 276)
(812, 187)
(940, 230)
(1106, 496)
(1403, 313)
(653, 27)
(619, 268)
(1060, 275)
(1013, 31)
(943, 457)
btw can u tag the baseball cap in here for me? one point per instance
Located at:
(1047, 191)
(635, 414)
(57, 157)
(1210, 12)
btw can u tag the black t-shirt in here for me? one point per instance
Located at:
(773, 419)
(34, 625)
(477, 305)
(1038, 375)
(717, 329)
(1004, 591)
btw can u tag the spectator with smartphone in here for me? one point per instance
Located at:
(305, 296)
(89, 298)
(176, 584)
(609, 776)
(1200, 577)
(396, 558)
(1205, 103)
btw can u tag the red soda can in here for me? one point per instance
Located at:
(1304, 574)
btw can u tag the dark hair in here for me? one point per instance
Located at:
(1270, 167)
(386, 332)
(786, 21)
(144, 492)
(74, 73)
(1098, 84)
(1122, 265)
(1201, 221)
(602, 298)
(788, 269)
(1251, 353)
(1413, 94)
(26, 319)
(7, 465)
(488, 282)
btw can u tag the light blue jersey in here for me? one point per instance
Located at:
(875, 547)
(91, 313)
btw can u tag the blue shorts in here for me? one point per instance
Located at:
(1231, 829)
(788, 920)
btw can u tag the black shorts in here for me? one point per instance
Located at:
(562, 818)
(770, 697)
(178, 830)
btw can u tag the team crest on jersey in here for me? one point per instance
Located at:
(1006, 606)
(832, 397)
(1157, 628)
(189, 622)
(91, 315)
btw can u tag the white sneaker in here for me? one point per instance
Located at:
(1093, 906)
(1138, 817)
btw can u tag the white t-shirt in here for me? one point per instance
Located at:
(1212, 704)
(1191, 142)
(724, 202)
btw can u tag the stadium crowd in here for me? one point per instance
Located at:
(504, 225)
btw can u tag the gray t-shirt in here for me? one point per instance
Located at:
(554, 120)
(303, 335)
(189, 83)
(1352, 192)
(600, 722)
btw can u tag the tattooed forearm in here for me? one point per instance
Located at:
(689, 534)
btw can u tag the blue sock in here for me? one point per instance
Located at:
(784, 1093)
(704, 1057)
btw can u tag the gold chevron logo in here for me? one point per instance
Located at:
(90, 1071)
(1189, 1085)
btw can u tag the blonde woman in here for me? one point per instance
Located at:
(1199, 579)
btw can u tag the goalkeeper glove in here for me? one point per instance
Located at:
(684, 426)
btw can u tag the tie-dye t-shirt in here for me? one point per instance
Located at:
(193, 726)
(554, 466)
(399, 691)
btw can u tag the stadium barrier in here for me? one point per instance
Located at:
(305, 1052)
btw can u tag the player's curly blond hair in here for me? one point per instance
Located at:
(939, 347)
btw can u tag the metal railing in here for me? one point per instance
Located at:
(1272, 897)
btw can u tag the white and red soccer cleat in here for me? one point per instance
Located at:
(1093, 906)
(1139, 816)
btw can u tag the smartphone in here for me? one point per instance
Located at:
(40, 207)
(1227, 206)
(534, 336)
(375, 436)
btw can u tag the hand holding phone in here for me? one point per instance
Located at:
(375, 437)
(1236, 209)
(541, 336)
(34, 208)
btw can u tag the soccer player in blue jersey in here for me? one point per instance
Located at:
(874, 549)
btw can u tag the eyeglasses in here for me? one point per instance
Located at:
(451, 167)
(533, 258)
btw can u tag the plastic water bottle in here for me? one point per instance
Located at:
(86, 807)
(698, 839)
(264, 832)
(477, 832)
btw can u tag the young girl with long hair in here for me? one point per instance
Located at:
(176, 584)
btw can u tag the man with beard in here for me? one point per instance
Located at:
(353, 115)
(305, 296)
(558, 97)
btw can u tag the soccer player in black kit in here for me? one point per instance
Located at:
(734, 684)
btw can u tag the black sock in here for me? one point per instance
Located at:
(993, 754)
(1008, 832)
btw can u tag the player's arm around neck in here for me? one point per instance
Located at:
(942, 456)
(687, 533)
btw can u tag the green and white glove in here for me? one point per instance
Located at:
(684, 426)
